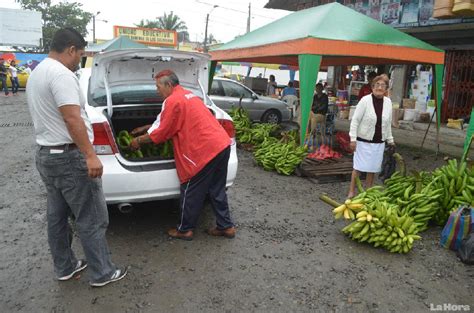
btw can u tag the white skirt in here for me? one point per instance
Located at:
(368, 157)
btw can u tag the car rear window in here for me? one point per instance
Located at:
(133, 94)
(128, 95)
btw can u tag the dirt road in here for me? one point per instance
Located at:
(289, 254)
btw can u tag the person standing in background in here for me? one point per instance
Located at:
(271, 86)
(367, 88)
(3, 76)
(14, 77)
(319, 109)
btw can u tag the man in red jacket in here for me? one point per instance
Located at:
(201, 151)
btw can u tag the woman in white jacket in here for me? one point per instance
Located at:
(371, 127)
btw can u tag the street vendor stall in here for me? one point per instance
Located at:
(326, 35)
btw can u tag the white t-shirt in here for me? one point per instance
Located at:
(50, 86)
(13, 71)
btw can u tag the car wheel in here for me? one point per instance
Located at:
(271, 116)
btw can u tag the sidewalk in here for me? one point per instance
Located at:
(451, 140)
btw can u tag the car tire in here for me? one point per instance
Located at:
(272, 116)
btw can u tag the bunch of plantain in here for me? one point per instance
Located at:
(164, 150)
(272, 154)
(456, 185)
(242, 123)
(349, 209)
(380, 225)
(258, 133)
(124, 139)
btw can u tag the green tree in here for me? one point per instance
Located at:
(63, 14)
(170, 22)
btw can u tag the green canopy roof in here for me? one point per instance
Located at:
(117, 43)
(332, 21)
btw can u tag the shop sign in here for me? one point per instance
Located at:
(148, 36)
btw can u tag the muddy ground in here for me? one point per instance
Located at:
(289, 254)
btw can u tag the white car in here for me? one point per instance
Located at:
(121, 95)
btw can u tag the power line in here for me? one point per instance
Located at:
(235, 10)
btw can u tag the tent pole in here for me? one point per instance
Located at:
(309, 67)
(212, 71)
(469, 135)
(439, 71)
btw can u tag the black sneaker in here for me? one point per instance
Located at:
(116, 276)
(80, 266)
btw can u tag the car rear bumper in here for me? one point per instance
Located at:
(121, 185)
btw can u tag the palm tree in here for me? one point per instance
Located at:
(169, 22)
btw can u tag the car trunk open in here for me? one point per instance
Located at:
(123, 82)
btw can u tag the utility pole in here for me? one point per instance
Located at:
(93, 26)
(248, 20)
(205, 31)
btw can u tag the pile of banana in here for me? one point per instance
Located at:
(433, 196)
(273, 154)
(258, 133)
(164, 150)
(377, 221)
(382, 226)
(392, 217)
(241, 121)
(456, 184)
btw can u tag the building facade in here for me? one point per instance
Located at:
(438, 23)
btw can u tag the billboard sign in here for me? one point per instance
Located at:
(20, 28)
(148, 36)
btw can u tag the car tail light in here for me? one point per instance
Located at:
(104, 142)
(228, 126)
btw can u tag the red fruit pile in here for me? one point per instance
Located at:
(325, 152)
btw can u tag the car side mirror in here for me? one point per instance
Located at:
(254, 96)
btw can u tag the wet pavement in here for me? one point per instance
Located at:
(289, 254)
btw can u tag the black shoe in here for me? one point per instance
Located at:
(116, 276)
(80, 266)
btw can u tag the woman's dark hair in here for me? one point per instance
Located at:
(290, 84)
(272, 78)
(65, 38)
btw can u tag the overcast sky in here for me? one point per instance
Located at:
(226, 21)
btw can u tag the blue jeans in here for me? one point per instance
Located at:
(3, 80)
(72, 192)
(15, 84)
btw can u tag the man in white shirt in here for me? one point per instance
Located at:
(67, 163)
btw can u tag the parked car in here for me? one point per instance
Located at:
(228, 94)
(121, 95)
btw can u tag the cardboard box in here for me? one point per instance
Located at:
(408, 103)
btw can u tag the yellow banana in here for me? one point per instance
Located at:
(346, 214)
(369, 217)
(339, 209)
(362, 219)
(361, 213)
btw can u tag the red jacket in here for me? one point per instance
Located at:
(197, 135)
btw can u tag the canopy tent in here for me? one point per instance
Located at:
(330, 34)
(117, 43)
